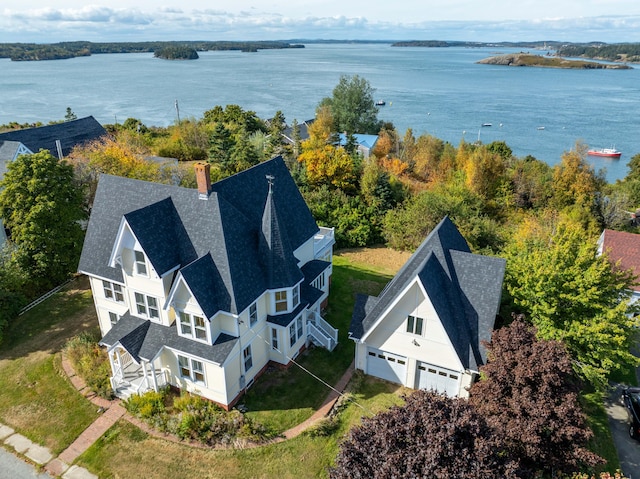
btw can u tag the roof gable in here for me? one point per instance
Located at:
(464, 289)
(161, 235)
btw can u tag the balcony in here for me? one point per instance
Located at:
(322, 240)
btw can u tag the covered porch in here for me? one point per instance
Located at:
(131, 376)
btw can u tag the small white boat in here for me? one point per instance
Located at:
(381, 103)
(487, 124)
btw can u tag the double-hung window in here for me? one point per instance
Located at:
(140, 263)
(281, 301)
(292, 334)
(191, 369)
(296, 296)
(113, 291)
(253, 314)
(192, 326)
(274, 338)
(248, 360)
(414, 325)
(147, 306)
(299, 324)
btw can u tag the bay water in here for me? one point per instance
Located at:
(440, 91)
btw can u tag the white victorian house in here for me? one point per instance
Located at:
(425, 329)
(202, 289)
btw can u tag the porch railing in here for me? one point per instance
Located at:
(322, 331)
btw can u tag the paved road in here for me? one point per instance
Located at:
(12, 467)
(628, 449)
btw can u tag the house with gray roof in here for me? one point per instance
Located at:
(203, 288)
(426, 328)
(59, 138)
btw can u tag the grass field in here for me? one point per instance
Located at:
(38, 400)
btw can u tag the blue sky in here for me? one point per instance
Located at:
(46, 21)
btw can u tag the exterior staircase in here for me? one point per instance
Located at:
(320, 332)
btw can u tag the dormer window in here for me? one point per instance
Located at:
(140, 263)
(192, 326)
(281, 301)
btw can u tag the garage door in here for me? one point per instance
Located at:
(387, 365)
(431, 377)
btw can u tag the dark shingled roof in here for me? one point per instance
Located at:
(144, 339)
(70, 133)
(276, 255)
(162, 235)
(464, 288)
(214, 243)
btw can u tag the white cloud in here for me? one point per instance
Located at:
(100, 23)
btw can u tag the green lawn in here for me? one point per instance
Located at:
(281, 399)
(36, 398)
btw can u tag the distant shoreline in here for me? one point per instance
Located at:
(65, 50)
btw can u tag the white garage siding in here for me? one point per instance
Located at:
(442, 380)
(389, 366)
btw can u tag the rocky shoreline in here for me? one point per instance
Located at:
(529, 60)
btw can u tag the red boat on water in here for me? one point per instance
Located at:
(606, 152)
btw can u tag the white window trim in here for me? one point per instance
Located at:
(114, 289)
(281, 301)
(293, 338)
(295, 295)
(253, 314)
(412, 325)
(146, 306)
(299, 327)
(192, 326)
(136, 262)
(247, 357)
(111, 316)
(275, 340)
(192, 370)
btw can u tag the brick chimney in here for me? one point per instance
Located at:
(203, 177)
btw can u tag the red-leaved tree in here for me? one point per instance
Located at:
(529, 396)
(429, 436)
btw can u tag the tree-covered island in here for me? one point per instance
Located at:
(176, 52)
(63, 50)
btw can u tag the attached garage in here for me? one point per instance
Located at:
(432, 377)
(389, 366)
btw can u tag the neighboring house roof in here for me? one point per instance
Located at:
(464, 288)
(303, 129)
(365, 141)
(70, 133)
(9, 151)
(623, 249)
(217, 238)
